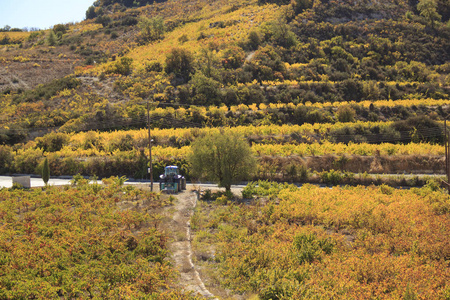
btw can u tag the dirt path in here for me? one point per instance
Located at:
(181, 247)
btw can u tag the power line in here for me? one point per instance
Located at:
(170, 121)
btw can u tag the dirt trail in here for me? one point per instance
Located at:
(181, 247)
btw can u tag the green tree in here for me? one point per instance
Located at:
(152, 29)
(179, 61)
(281, 34)
(51, 39)
(60, 28)
(6, 158)
(428, 10)
(45, 171)
(225, 158)
(266, 64)
(208, 63)
(205, 89)
(90, 13)
(253, 40)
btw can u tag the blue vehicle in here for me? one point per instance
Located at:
(171, 181)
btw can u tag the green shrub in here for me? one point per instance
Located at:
(433, 184)
(183, 39)
(180, 62)
(26, 161)
(78, 180)
(233, 57)
(309, 248)
(52, 142)
(207, 195)
(152, 247)
(420, 128)
(122, 66)
(60, 28)
(90, 13)
(6, 157)
(104, 20)
(152, 29)
(249, 190)
(345, 114)
(48, 90)
(275, 291)
(331, 177)
(154, 66)
(387, 190)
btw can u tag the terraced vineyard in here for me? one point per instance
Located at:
(84, 241)
(341, 243)
(342, 93)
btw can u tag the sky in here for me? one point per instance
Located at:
(42, 14)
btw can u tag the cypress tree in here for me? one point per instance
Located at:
(45, 171)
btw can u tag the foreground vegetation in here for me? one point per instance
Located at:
(341, 243)
(83, 241)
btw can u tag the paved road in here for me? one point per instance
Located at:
(6, 182)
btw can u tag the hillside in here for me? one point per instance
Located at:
(342, 103)
(369, 72)
(241, 53)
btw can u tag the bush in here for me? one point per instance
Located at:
(345, 114)
(129, 21)
(249, 190)
(48, 90)
(233, 57)
(152, 29)
(331, 177)
(296, 172)
(5, 159)
(104, 20)
(154, 66)
(275, 292)
(309, 248)
(253, 40)
(180, 62)
(205, 90)
(420, 129)
(52, 142)
(122, 67)
(78, 180)
(60, 28)
(26, 161)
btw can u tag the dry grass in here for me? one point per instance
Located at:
(15, 35)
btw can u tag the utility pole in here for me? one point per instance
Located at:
(150, 147)
(447, 156)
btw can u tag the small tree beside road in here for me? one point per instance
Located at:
(45, 171)
(225, 158)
